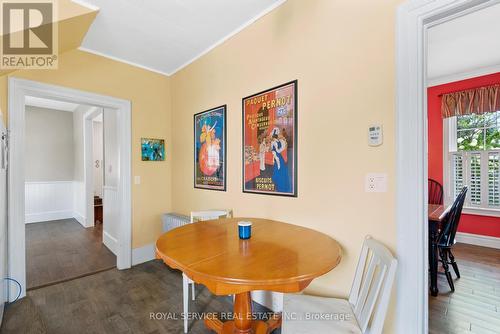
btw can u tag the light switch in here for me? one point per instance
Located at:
(137, 179)
(376, 183)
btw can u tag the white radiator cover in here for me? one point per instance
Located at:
(173, 220)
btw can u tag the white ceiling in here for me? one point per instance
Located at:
(468, 44)
(166, 35)
(50, 104)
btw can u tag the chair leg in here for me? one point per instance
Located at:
(454, 263)
(192, 290)
(185, 300)
(444, 260)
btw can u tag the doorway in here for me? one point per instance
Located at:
(413, 20)
(61, 244)
(18, 90)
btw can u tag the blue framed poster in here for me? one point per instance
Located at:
(210, 149)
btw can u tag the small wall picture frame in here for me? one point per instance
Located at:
(152, 149)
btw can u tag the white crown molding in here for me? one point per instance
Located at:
(201, 54)
(231, 34)
(86, 5)
(463, 75)
(81, 48)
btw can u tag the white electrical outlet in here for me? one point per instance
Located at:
(137, 179)
(376, 183)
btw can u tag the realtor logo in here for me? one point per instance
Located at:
(29, 34)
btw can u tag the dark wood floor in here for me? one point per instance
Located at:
(60, 250)
(474, 307)
(113, 301)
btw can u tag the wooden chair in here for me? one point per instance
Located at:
(363, 312)
(197, 216)
(446, 238)
(435, 192)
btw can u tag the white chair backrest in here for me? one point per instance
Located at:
(197, 216)
(372, 286)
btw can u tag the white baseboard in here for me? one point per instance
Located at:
(269, 299)
(47, 216)
(110, 242)
(81, 219)
(478, 240)
(143, 254)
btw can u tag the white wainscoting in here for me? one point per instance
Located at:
(79, 210)
(111, 217)
(48, 201)
(54, 200)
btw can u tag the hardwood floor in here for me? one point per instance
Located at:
(61, 250)
(474, 307)
(114, 301)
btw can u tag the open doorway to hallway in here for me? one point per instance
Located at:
(63, 241)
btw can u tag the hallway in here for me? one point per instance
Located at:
(61, 250)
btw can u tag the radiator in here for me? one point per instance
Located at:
(173, 220)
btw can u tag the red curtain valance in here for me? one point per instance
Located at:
(472, 101)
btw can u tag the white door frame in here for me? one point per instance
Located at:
(88, 147)
(413, 19)
(18, 89)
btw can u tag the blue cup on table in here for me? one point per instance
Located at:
(245, 230)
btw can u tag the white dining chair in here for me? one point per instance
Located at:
(365, 310)
(197, 216)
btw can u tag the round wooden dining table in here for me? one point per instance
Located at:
(278, 257)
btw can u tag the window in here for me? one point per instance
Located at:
(473, 157)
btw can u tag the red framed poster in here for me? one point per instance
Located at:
(270, 141)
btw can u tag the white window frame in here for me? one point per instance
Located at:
(450, 147)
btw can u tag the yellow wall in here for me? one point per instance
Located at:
(342, 53)
(151, 117)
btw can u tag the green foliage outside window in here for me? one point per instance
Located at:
(478, 132)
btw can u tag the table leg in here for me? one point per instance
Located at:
(433, 259)
(243, 322)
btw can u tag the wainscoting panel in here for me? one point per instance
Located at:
(111, 212)
(79, 210)
(48, 201)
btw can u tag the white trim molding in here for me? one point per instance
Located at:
(143, 254)
(478, 240)
(17, 90)
(110, 242)
(414, 17)
(120, 60)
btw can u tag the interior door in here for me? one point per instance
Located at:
(3, 215)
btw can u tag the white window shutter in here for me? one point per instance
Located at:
(493, 179)
(457, 174)
(475, 178)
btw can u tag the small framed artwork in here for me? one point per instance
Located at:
(152, 149)
(270, 141)
(210, 149)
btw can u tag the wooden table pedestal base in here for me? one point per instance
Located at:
(243, 323)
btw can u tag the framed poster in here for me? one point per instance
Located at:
(152, 149)
(270, 141)
(210, 149)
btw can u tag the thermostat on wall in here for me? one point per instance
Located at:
(375, 135)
